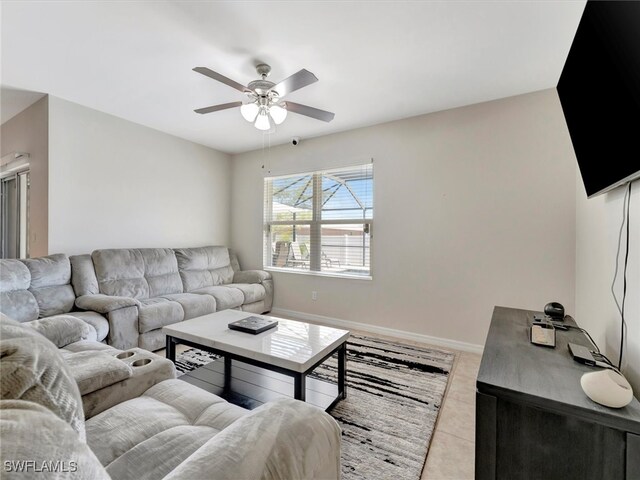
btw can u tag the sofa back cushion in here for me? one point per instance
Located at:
(83, 275)
(204, 267)
(16, 301)
(51, 284)
(137, 272)
(35, 434)
(32, 369)
(233, 259)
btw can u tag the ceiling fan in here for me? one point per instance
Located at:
(265, 106)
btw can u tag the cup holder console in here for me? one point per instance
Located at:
(141, 362)
(127, 354)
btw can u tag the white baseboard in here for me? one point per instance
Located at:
(392, 332)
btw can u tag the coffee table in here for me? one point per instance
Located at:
(292, 348)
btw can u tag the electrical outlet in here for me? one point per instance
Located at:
(314, 295)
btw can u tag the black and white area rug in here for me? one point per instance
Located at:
(394, 392)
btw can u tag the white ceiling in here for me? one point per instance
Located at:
(376, 61)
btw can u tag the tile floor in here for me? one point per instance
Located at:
(452, 452)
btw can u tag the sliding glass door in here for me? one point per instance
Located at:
(14, 215)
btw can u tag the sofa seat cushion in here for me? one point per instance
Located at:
(154, 313)
(96, 320)
(226, 297)
(253, 292)
(255, 307)
(168, 423)
(194, 305)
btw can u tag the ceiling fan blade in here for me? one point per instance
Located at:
(310, 111)
(215, 108)
(221, 78)
(295, 82)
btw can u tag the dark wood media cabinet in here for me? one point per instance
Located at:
(533, 421)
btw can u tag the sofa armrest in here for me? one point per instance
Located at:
(95, 370)
(104, 303)
(143, 378)
(281, 439)
(62, 330)
(251, 276)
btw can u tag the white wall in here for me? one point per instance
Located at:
(474, 207)
(114, 183)
(28, 132)
(598, 225)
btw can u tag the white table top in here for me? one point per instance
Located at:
(291, 344)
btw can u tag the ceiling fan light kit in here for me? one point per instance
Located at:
(278, 114)
(249, 111)
(263, 122)
(264, 107)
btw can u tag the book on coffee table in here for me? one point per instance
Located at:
(253, 325)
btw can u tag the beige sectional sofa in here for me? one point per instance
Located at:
(166, 428)
(73, 407)
(128, 295)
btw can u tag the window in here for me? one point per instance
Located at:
(320, 221)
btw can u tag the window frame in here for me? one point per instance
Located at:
(315, 225)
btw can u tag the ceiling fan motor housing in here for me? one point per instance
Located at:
(261, 87)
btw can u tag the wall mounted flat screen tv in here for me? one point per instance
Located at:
(599, 90)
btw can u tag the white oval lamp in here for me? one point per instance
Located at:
(607, 388)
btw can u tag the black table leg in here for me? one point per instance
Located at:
(227, 374)
(299, 386)
(342, 371)
(171, 349)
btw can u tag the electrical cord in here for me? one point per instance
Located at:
(602, 360)
(624, 278)
(602, 357)
(572, 327)
(596, 353)
(615, 273)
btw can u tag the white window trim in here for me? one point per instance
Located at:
(348, 276)
(314, 224)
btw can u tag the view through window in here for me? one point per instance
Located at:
(320, 221)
